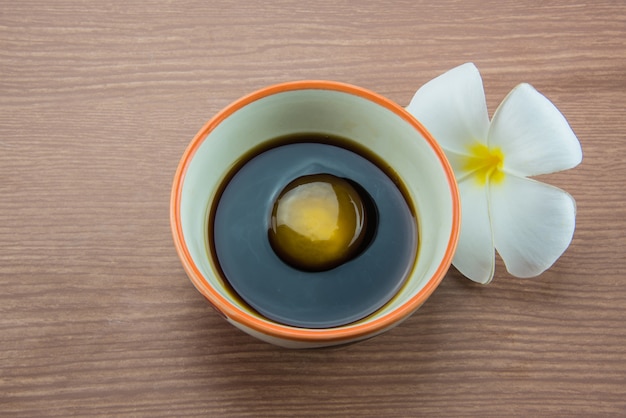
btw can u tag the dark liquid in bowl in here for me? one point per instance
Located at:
(282, 283)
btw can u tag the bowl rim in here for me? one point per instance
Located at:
(267, 327)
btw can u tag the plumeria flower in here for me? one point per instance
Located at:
(529, 223)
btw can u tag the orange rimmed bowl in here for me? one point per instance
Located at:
(338, 109)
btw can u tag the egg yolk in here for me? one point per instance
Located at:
(318, 222)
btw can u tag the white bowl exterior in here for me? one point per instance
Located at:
(375, 127)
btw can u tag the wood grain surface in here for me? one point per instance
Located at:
(98, 100)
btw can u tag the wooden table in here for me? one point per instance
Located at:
(98, 100)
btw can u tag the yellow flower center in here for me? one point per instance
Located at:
(485, 164)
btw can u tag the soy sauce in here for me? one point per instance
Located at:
(308, 293)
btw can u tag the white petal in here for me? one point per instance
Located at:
(475, 254)
(533, 224)
(453, 109)
(533, 134)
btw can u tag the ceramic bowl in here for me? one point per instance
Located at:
(378, 124)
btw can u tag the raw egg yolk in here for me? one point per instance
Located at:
(318, 222)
